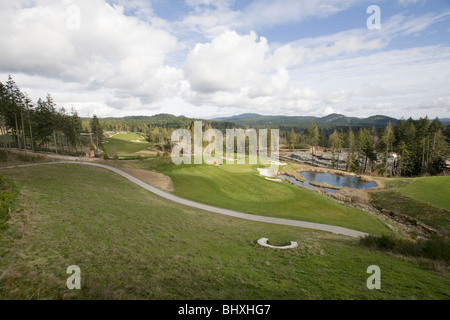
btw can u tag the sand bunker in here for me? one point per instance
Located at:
(266, 173)
(275, 180)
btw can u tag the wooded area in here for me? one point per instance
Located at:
(37, 127)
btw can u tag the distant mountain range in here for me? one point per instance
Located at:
(332, 120)
(283, 122)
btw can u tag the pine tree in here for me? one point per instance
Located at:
(387, 141)
(351, 158)
(96, 131)
(313, 137)
(292, 139)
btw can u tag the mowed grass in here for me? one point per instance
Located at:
(434, 191)
(130, 244)
(241, 188)
(124, 144)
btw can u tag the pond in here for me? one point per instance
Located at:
(336, 180)
(330, 179)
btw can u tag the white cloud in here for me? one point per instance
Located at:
(109, 49)
(235, 70)
(124, 59)
(230, 62)
(278, 12)
(343, 69)
(211, 18)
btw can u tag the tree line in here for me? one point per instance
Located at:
(410, 148)
(39, 126)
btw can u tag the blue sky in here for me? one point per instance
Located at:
(210, 58)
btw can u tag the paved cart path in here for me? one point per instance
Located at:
(205, 207)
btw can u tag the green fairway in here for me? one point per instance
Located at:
(241, 188)
(125, 144)
(130, 244)
(434, 191)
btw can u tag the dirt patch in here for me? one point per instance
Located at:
(146, 153)
(155, 179)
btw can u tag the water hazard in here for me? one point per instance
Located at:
(333, 180)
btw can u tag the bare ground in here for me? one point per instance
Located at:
(153, 178)
(146, 152)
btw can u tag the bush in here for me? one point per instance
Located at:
(3, 156)
(437, 248)
(26, 157)
(382, 242)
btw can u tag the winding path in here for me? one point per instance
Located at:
(205, 207)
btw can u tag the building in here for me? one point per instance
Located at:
(89, 154)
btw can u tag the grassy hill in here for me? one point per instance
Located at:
(434, 191)
(241, 188)
(426, 200)
(129, 244)
(125, 144)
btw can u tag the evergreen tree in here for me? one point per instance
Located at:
(313, 137)
(352, 161)
(96, 131)
(387, 141)
(366, 147)
(292, 139)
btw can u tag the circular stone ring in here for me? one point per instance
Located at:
(263, 242)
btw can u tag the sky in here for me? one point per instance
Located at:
(216, 58)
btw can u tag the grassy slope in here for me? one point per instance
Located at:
(239, 187)
(130, 244)
(124, 145)
(424, 199)
(433, 190)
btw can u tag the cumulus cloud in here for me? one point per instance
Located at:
(235, 70)
(123, 59)
(100, 47)
(228, 63)
(242, 70)
(341, 69)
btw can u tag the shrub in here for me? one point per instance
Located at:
(382, 242)
(3, 156)
(437, 248)
(25, 157)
